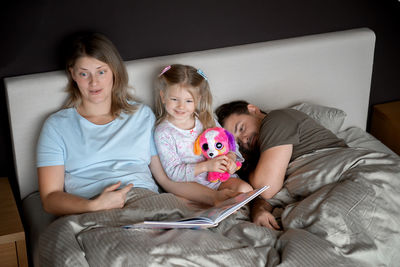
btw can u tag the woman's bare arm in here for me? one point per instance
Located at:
(58, 202)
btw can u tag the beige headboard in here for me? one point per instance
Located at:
(332, 69)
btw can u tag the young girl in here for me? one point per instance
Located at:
(183, 111)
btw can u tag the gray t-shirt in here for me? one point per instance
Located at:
(289, 126)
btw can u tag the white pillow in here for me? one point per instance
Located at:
(330, 118)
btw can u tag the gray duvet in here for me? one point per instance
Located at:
(340, 207)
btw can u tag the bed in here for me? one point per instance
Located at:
(338, 207)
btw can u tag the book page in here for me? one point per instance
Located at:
(219, 212)
(205, 218)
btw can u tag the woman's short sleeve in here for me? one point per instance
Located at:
(50, 147)
(153, 149)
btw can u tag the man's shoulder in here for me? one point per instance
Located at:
(281, 121)
(286, 112)
(286, 115)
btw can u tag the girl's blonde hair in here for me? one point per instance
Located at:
(98, 46)
(197, 85)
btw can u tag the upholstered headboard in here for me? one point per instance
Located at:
(332, 69)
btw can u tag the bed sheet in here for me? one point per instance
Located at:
(341, 207)
(357, 137)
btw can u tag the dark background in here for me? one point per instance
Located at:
(32, 33)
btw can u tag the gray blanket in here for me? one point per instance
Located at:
(340, 207)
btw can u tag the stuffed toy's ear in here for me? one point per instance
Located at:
(197, 148)
(231, 141)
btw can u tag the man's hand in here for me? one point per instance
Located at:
(111, 198)
(261, 214)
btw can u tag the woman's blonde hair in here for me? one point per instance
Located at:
(98, 46)
(197, 85)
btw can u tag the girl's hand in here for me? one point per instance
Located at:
(231, 165)
(217, 164)
(112, 198)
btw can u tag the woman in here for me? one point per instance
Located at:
(92, 152)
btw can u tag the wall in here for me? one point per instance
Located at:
(32, 34)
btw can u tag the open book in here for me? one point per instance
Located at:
(205, 218)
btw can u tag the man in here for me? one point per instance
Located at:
(277, 138)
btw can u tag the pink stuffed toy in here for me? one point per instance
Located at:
(214, 142)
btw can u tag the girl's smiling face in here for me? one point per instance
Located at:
(94, 79)
(180, 105)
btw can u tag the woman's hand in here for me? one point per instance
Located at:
(217, 164)
(224, 194)
(58, 202)
(111, 197)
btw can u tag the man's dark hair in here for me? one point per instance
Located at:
(234, 107)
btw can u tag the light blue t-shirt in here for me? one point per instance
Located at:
(96, 156)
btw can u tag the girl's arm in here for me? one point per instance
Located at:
(218, 164)
(172, 162)
(58, 202)
(189, 190)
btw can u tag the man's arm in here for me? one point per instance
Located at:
(271, 169)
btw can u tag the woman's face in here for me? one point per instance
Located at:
(94, 79)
